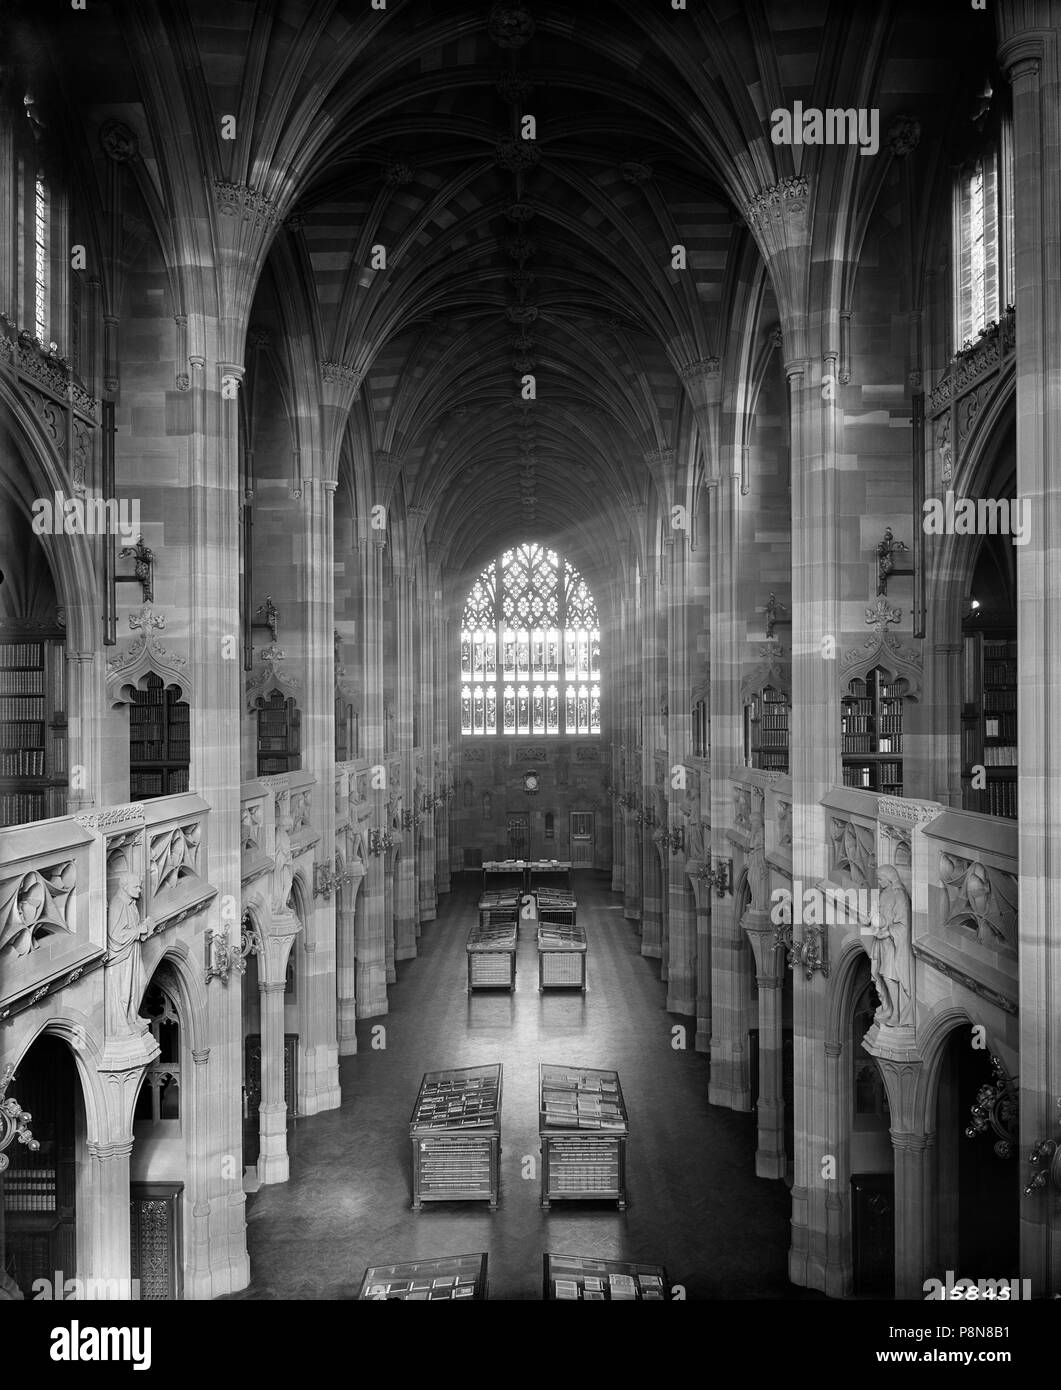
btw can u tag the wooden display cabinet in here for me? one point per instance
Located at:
(446, 1279)
(561, 956)
(455, 1130)
(583, 1127)
(492, 957)
(574, 1277)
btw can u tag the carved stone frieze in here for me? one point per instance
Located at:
(239, 200)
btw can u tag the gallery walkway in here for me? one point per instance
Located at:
(694, 1203)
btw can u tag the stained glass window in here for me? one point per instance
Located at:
(530, 646)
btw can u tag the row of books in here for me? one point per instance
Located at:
(27, 762)
(858, 704)
(998, 649)
(153, 695)
(999, 798)
(22, 735)
(999, 701)
(31, 707)
(21, 654)
(22, 682)
(891, 774)
(859, 743)
(771, 738)
(16, 808)
(1000, 755)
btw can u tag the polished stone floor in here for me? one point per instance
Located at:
(695, 1204)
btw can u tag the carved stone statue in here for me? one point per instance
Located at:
(758, 869)
(694, 829)
(890, 956)
(784, 823)
(124, 975)
(283, 873)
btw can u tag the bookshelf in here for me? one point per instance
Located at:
(871, 731)
(989, 722)
(766, 719)
(32, 730)
(447, 1278)
(279, 736)
(159, 741)
(599, 1281)
(455, 1130)
(583, 1128)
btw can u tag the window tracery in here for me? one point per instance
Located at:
(530, 647)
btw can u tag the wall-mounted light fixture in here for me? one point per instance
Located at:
(1045, 1158)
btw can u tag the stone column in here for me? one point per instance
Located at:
(815, 765)
(770, 1156)
(702, 892)
(272, 1157)
(346, 972)
(730, 1082)
(109, 1185)
(1029, 53)
(900, 1066)
(318, 1051)
(371, 928)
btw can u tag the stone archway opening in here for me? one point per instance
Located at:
(47, 1206)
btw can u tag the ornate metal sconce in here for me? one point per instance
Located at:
(673, 839)
(810, 954)
(379, 841)
(143, 570)
(222, 958)
(1046, 1158)
(14, 1121)
(719, 874)
(996, 1108)
(886, 548)
(250, 940)
(326, 881)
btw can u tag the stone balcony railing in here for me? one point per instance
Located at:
(956, 870)
(60, 880)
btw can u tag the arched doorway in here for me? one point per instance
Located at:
(45, 1214)
(977, 1187)
(158, 1164)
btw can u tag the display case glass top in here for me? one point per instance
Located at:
(603, 1281)
(462, 1098)
(426, 1281)
(573, 1099)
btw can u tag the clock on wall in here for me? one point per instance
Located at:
(530, 781)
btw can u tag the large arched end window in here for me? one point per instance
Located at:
(530, 648)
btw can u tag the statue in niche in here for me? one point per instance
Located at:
(283, 859)
(124, 976)
(758, 869)
(784, 823)
(890, 958)
(694, 829)
(488, 809)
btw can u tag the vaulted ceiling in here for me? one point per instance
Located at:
(506, 258)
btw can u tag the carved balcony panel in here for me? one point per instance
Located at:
(256, 831)
(972, 918)
(294, 792)
(49, 879)
(175, 869)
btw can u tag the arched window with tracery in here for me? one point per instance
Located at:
(530, 649)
